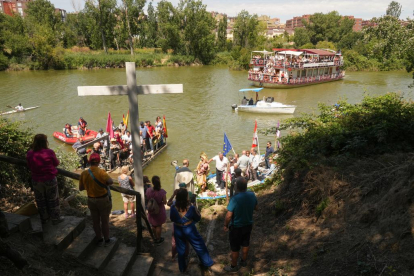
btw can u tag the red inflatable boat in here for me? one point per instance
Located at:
(89, 136)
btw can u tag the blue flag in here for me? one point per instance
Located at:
(226, 146)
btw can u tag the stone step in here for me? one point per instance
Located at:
(121, 261)
(142, 266)
(36, 226)
(18, 223)
(82, 244)
(62, 234)
(100, 256)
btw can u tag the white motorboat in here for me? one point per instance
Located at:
(265, 106)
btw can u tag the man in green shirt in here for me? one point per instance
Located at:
(239, 220)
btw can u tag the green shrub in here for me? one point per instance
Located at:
(4, 62)
(377, 125)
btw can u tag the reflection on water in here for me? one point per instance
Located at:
(196, 120)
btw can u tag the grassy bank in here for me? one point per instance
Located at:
(237, 59)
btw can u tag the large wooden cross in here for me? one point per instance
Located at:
(132, 90)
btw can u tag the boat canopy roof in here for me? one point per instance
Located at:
(291, 53)
(319, 52)
(262, 52)
(251, 89)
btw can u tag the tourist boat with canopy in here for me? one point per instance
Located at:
(266, 106)
(289, 68)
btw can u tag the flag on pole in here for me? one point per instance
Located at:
(126, 120)
(226, 146)
(123, 119)
(255, 142)
(165, 126)
(109, 124)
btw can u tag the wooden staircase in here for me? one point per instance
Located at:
(74, 238)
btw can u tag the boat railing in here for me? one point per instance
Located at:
(267, 78)
(72, 175)
(295, 65)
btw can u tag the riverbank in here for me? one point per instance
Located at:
(237, 59)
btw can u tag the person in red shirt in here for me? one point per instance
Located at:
(82, 124)
(151, 130)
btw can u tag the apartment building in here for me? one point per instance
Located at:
(12, 7)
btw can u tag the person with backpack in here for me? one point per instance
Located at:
(96, 181)
(156, 208)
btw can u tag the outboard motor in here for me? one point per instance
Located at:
(234, 106)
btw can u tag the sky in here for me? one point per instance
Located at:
(284, 9)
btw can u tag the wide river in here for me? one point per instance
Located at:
(196, 119)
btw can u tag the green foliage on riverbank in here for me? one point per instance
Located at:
(377, 125)
(15, 141)
(112, 33)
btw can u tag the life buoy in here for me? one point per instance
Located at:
(284, 81)
(289, 69)
(260, 61)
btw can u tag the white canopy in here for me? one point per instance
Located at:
(291, 53)
(263, 52)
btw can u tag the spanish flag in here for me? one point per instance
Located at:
(125, 120)
(165, 127)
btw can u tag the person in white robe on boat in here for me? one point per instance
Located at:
(19, 107)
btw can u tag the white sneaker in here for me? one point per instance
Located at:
(111, 241)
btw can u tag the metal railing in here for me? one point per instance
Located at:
(118, 189)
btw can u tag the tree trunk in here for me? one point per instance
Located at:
(100, 26)
(131, 44)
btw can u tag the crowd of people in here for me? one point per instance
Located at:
(226, 168)
(184, 212)
(119, 150)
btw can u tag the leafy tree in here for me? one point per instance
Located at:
(349, 40)
(390, 39)
(168, 27)
(301, 37)
(222, 34)
(42, 12)
(151, 26)
(245, 31)
(330, 27)
(394, 9)
(103, 12)
(15, 37)
(198, 25)
(132, 11)
(325, 45)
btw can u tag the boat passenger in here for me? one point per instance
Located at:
(82, 126)
(122, 126)
(251, 101)
(68, 130)
(150, 134)
(19, 107)
(244, 101)
(81, 152)
(114, 152)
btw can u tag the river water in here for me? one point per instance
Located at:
(196, 119)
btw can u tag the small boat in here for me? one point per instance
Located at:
(265, 106)
(89, 135)
(18, 111)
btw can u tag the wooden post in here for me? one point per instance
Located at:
(139, 224)
(227, 178)
(134, 123)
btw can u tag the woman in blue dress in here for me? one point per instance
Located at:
(185, 216)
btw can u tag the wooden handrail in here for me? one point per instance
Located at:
(72, 175)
